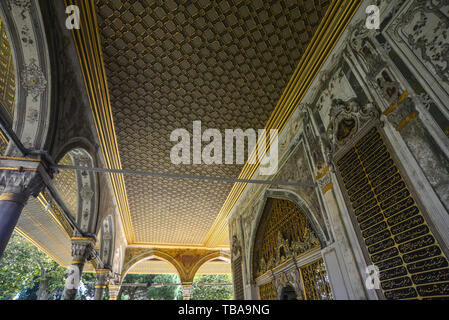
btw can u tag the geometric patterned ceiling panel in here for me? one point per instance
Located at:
(66, 185)
(169, 63)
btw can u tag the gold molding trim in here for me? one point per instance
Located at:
(114, 286)
(19, 158)
(82, 239)
(18, 169)
(326, 37)
(392, 107)
(88, 46)
(14, 197)
(101, 271)
(78, 262)
(412, 116)
(322, 174)
(327, 188)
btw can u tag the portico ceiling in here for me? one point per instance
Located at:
(169, 63)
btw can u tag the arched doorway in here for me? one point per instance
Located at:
(286, 260)
(288, 293)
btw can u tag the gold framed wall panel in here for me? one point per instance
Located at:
(390, 221)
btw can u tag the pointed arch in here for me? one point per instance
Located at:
(301, 204)
(153, 253)
(209, 257)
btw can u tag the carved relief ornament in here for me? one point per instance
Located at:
(346, 119)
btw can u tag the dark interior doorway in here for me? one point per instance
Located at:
(288, 293)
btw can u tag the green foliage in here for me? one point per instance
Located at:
(151, 293)
(212, 292)
(89, 280)
(24, 269)
(166, 292)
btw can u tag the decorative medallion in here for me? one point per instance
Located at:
(33, 80)
(346, 119)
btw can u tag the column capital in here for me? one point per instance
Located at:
(22, 176)
(82, 249)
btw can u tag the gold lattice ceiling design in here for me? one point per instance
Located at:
(169, 63)
(66, 185)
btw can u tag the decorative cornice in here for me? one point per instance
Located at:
(14, 197)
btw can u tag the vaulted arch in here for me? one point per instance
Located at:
(283, 231)
(31, 60)
(302, 206)
(152, 253)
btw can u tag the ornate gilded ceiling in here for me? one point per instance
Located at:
(169, 63)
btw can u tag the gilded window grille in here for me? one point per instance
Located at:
(386, 215)
(7, 74)
(316, 281)
(267, 291)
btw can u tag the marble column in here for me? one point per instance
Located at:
(81, 250)
(405, 119)
(18, 186)
(114, 289)
(186, 290)
(102, 277)
(347, 272)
